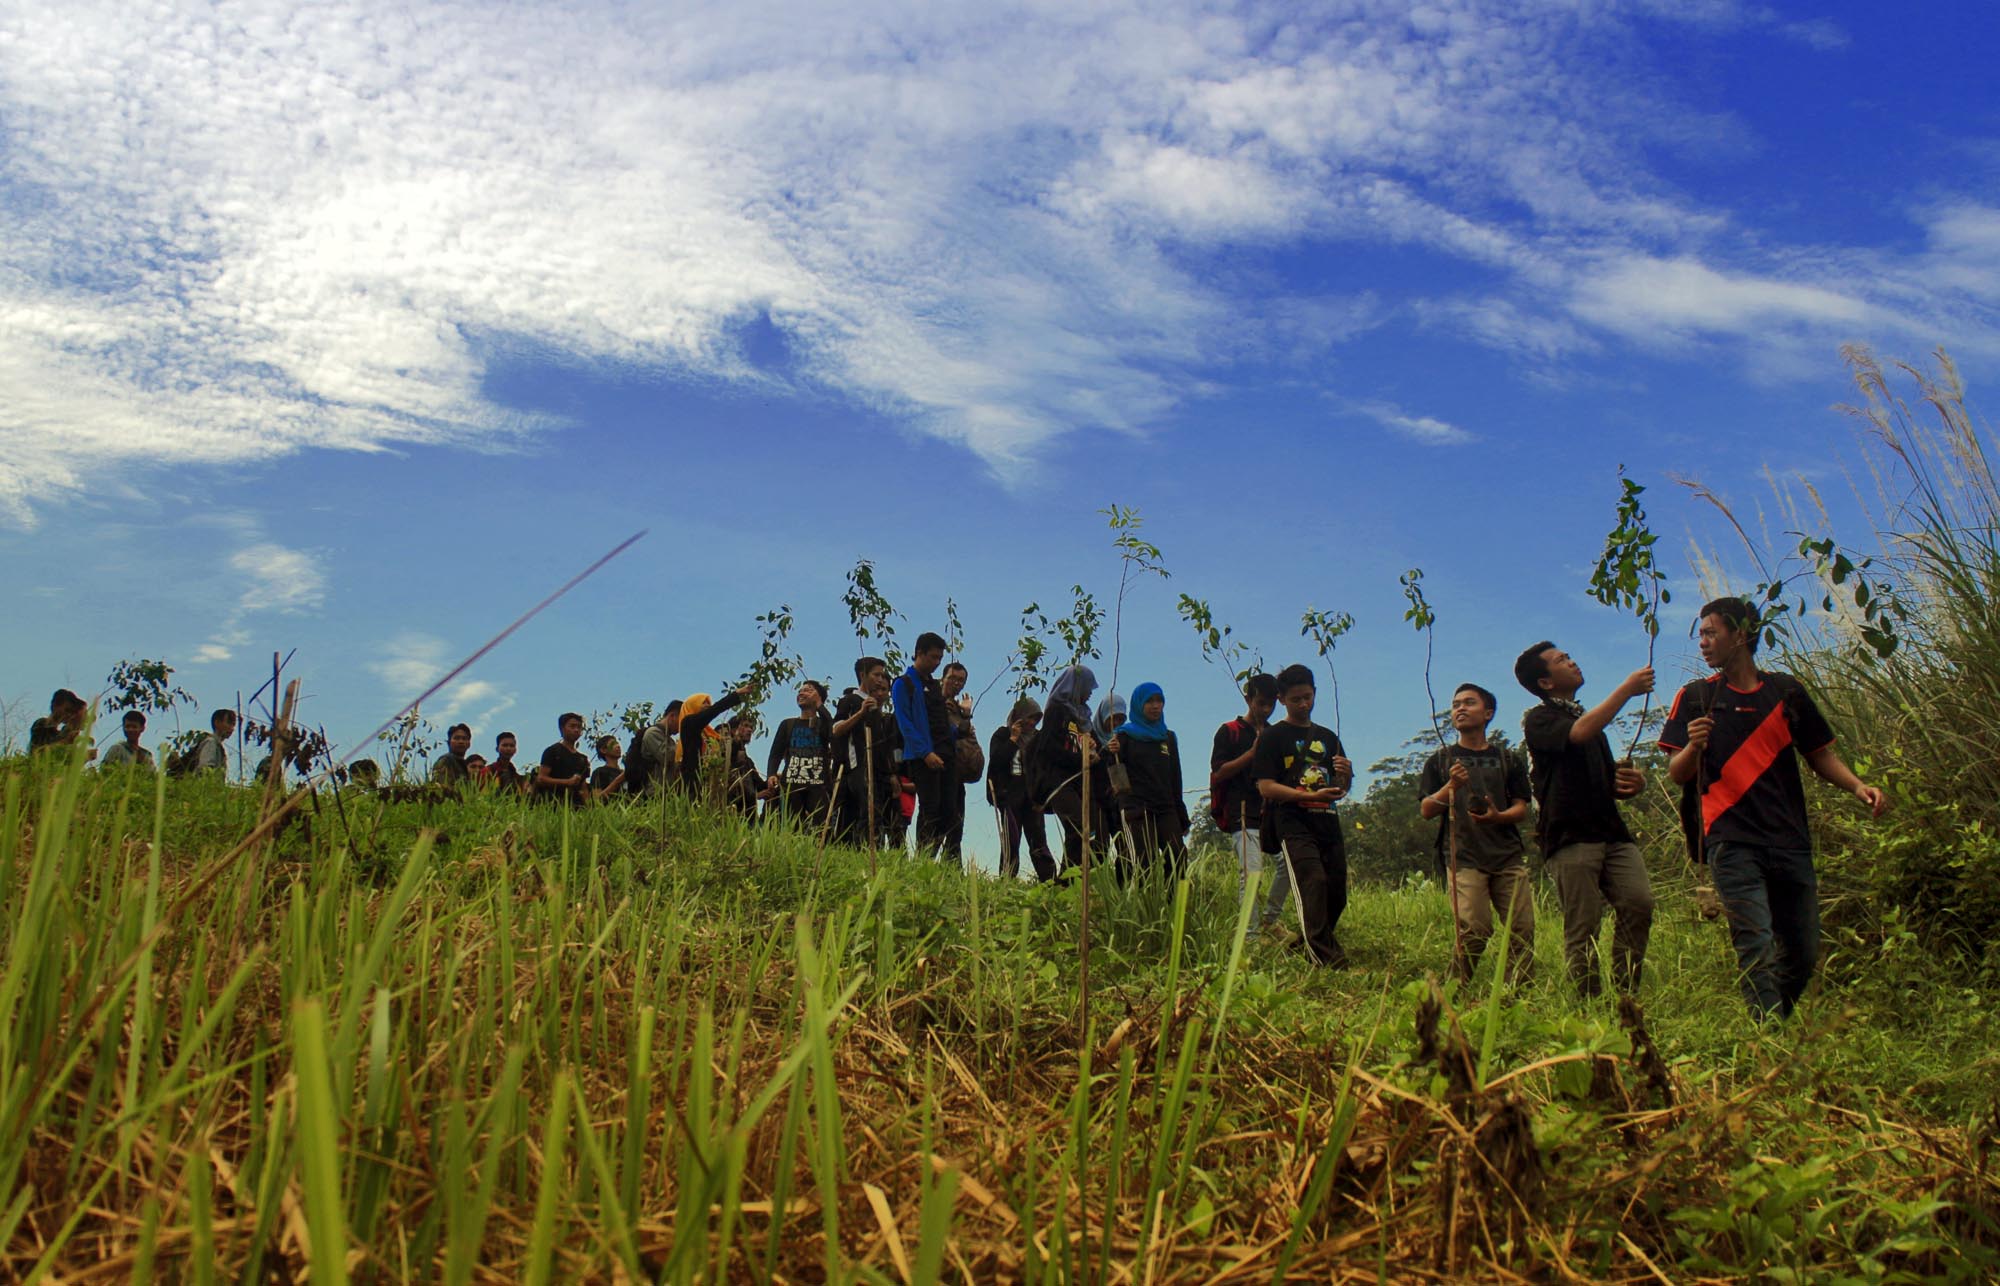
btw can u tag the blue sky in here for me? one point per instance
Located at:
(355, 327)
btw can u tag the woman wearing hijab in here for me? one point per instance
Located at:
(1154, 810)
(1057, 762)
(697, 712)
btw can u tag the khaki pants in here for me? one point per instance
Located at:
(1588, 878)
(1474, 895)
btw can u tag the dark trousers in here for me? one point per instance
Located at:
(1153, 841)
(1018, 822)
(1771, 896)
(853, 819)
(1066, 806)
(1317, 860)
(933, 818)
(954, 813)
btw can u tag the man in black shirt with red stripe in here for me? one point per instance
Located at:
(1738, 734)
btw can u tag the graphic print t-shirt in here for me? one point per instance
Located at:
(802, 745)
(1299, 756)
(1498, 776)
(1753, 793)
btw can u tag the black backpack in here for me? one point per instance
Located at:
(638, 768)
(182, 763)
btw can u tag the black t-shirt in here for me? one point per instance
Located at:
(1006, 767)
(563, 761)
(849, 750)
(1300, 756)
(802, 753)
(1154, 769)
(45, 732)
(604, 775)
(1752, 792)
(1234, 800)
(1574, 785)
(1498, 776)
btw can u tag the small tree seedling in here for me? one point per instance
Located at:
(1325, 630)
(1424, 620)
(1627, 576)
(1137, 559)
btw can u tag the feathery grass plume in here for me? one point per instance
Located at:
(1627, 575)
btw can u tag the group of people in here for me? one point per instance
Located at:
(896, 754)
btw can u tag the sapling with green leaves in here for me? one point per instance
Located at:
(871, 614)
(776, 666)
(1138, 558)
(1325, 630)
(146, 686)
(1628, 576)
(1219, 644)
(1423, 618)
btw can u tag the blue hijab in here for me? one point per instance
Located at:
(1137, 726)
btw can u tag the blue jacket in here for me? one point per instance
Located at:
(920, 715)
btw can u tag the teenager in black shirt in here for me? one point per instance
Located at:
(746, 786)
(1479, 790)
(609, 775)
(1584, 841)
(1232, 792)
(801, 758)
(1736, 737)
(1155, 812)
(564, 773)
(1301, 769)
(504, 775)
(1056, 765)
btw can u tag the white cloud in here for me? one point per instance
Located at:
(1425, 430)
(1659, 299)
(307, 226)
(411, 661)
(273, 579)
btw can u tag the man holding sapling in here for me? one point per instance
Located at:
(1301, 769)
(800, 763)
(61, 725)
(1482, 791)
(1736, 736)
(1577, 786)
(928, 758)
(861, 723)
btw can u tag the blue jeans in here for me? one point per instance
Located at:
(1771, 897)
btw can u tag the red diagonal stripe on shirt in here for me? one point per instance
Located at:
(1756, 754)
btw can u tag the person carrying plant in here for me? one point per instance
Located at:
(800, 762)
(1007, 791)
(211, 753)
(128, 753)
(862, 724)
(1735, 737)
(1482, 790)
(746, 787)
(564, 773)
(1577, 785)
(928, 760)
(1155, 811)
(1055, 762)
(1301, 771)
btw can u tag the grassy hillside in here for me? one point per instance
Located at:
(479, 1043)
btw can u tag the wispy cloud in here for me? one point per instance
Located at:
(275, 580)
(411, 661)
(309, 227)
(1425, 430)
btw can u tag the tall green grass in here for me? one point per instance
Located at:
(464, 1042)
